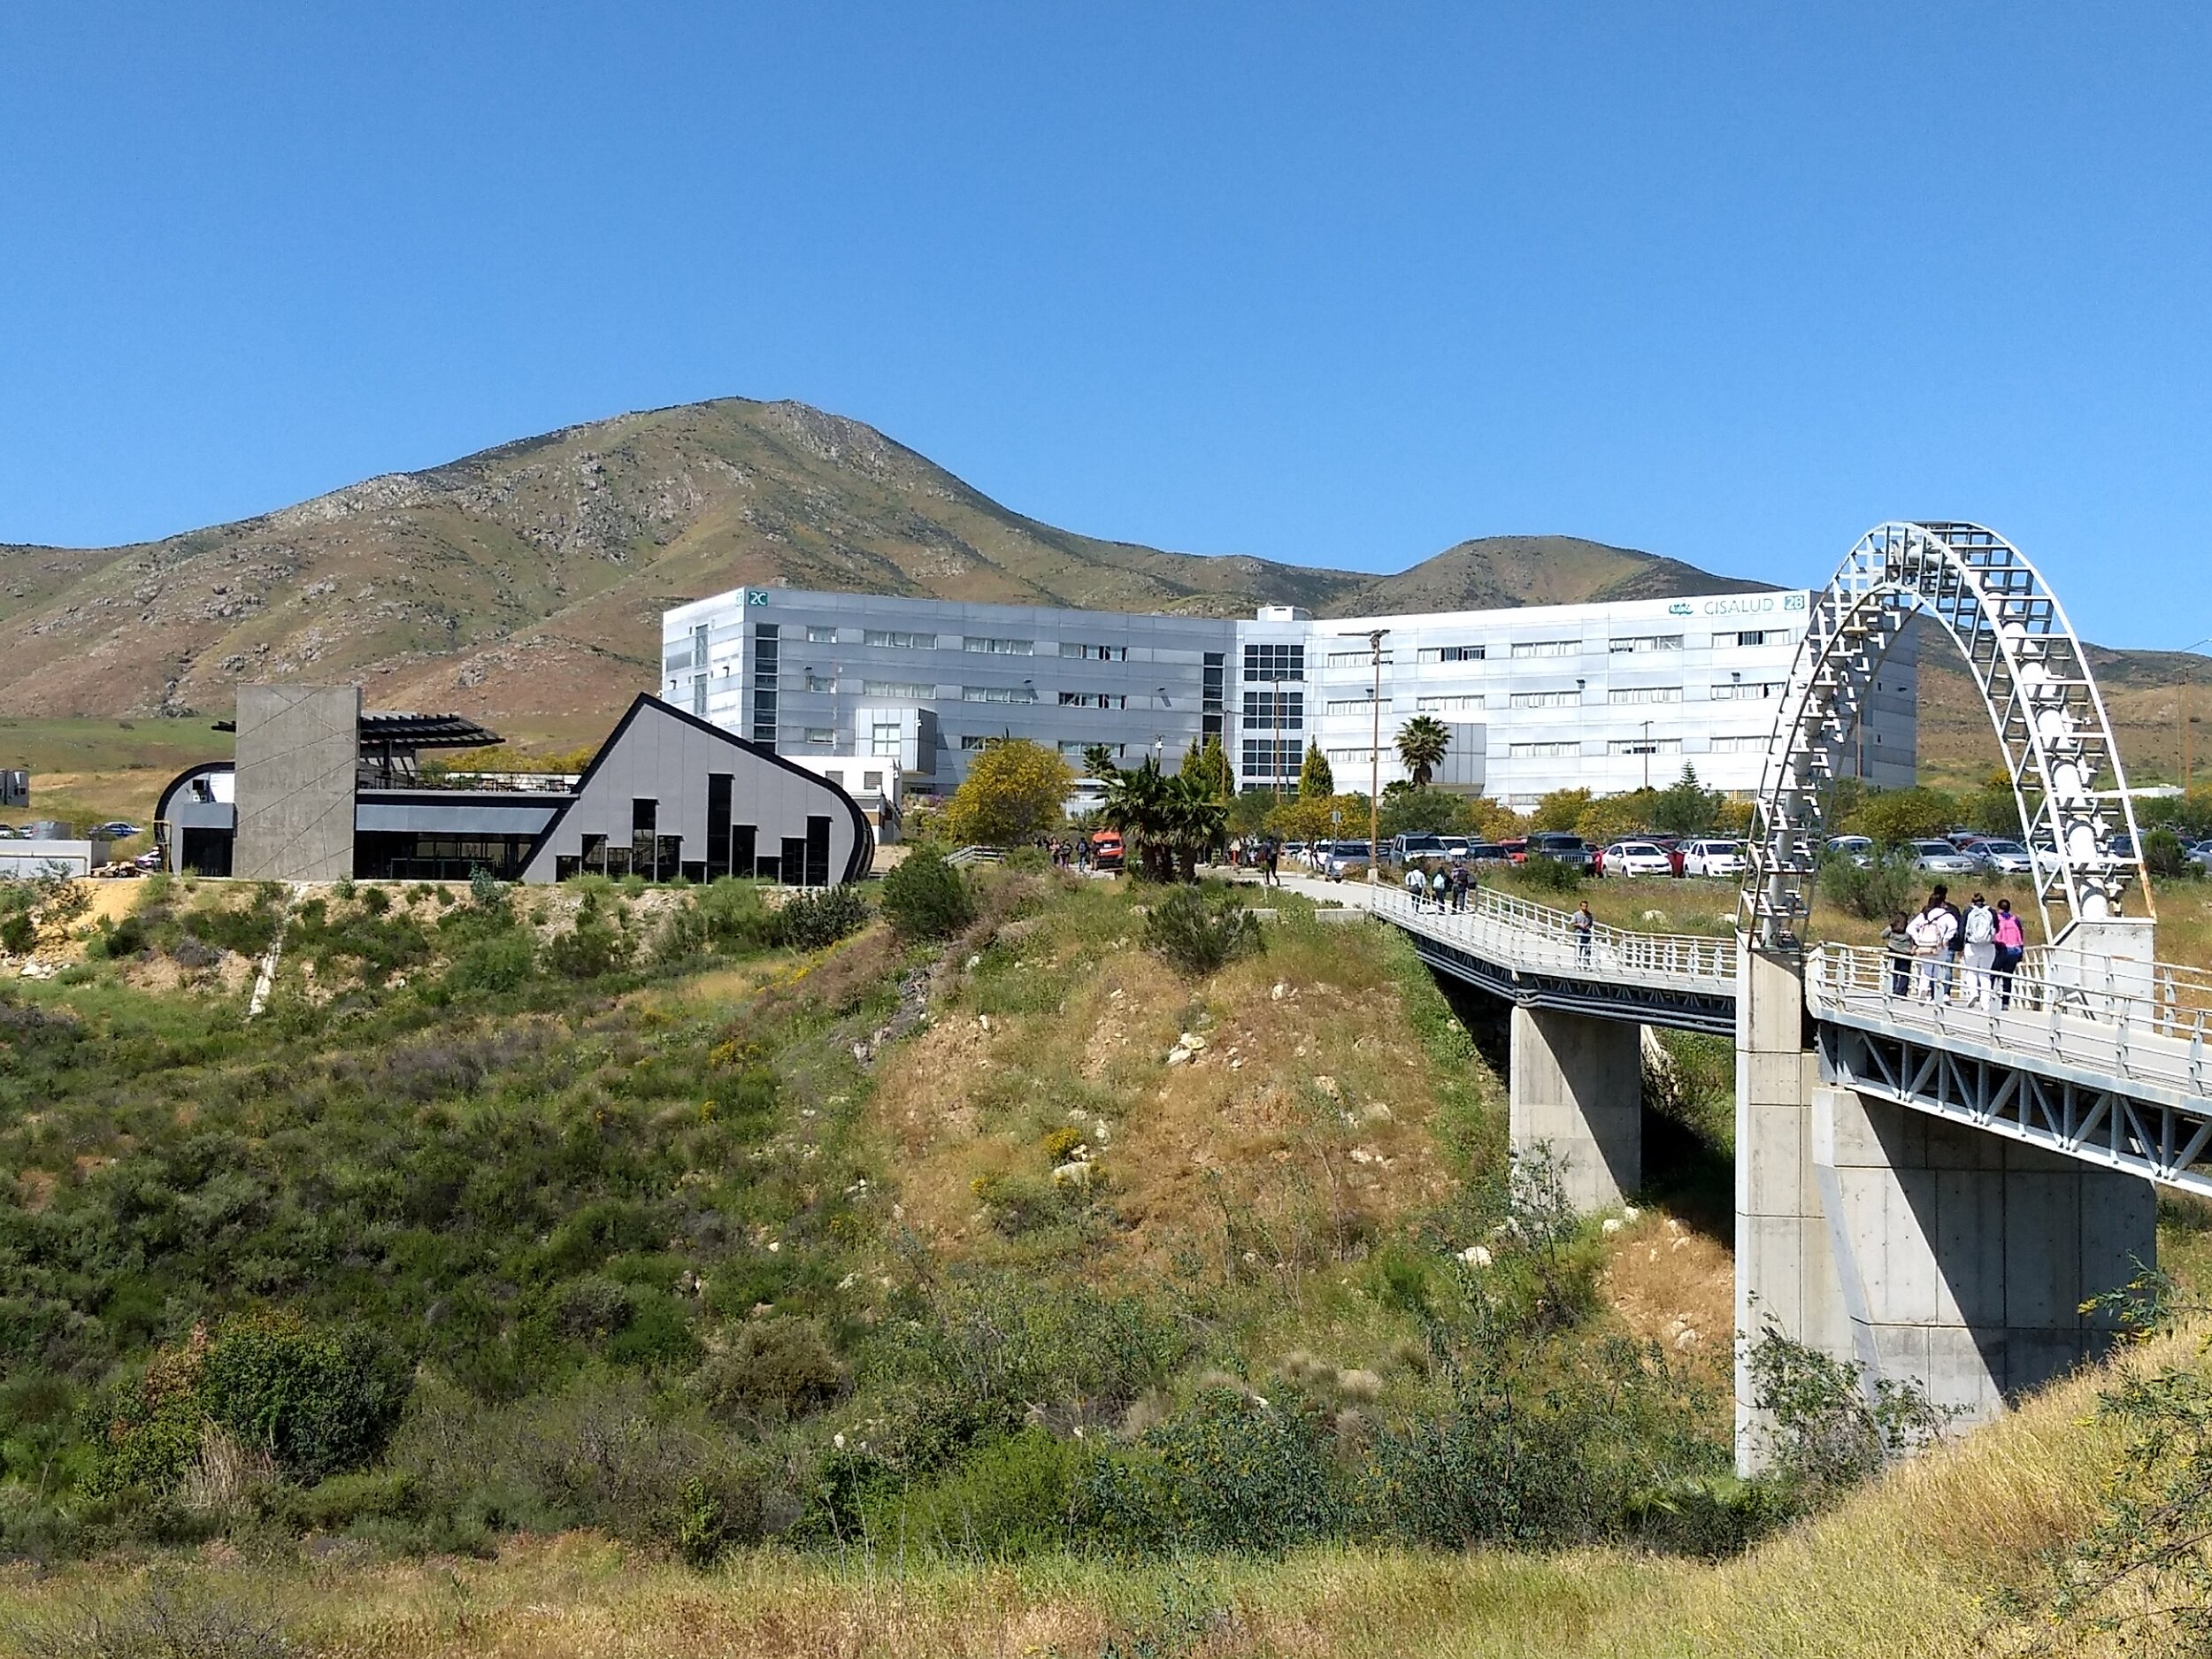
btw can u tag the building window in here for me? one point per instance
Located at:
(1523, 649)
(981, 740)
(998, 694)
(1747, 690)
(896, 688)
(766, 645)
(1362, 705)
(699, 647)
(698, 693)
(884, 738)
(1094, 653)
(1544, 751)
(1547, 699)
(675, 660)
(817, 634)
(899, 639)
(820, 682)
(821, 736)
(1269, 662)
(1263, 757)
(1454, 653)
(1094, 700)
(871, 780)
(1644, 746)
(1621, 694)
(998, 648)
(1347, 756)
(1754, 636)
(1283, 708)
(1365, 659)
(1073, 747)
(1645, 643)
(835, 775)
(1455, 704)
(1738, 745)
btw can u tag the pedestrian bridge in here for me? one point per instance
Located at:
(1929, 1189)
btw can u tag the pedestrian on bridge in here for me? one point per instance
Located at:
(1898, 941)
(1440, 888)
(1980, 934)
(2012, 944)
(1416, 885)
(1463, 878)
(1932, 932)
(1586, 926)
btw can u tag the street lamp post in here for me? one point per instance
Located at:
(1374, 637)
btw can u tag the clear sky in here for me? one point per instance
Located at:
(1333, 284)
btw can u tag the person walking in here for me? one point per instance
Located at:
(2012, 944)
(1271, 863)
(1951, 978)
(1979, 929)
(1440, 885)
(1463, 878)
(1586, 926)
(1898, 943)
(1932, 932)
(1415, 885)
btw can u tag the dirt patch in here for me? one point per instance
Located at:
(1674, 1285)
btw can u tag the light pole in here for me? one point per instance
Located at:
(1374, 638)
(1645, 747)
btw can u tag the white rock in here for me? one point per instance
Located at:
(1629, 1213)
(1375, 1111)
(972, 963)
(1688, 1339)
(1074, 1172)
(1193, 1042)
(983, 1020)
(1612, 1225)
(1327, 1085)
(1176, 1056)
(1475, 1256)
(1279, 992)
(774, 1245)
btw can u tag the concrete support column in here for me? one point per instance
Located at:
(1577, 1083)
(1964, 1256)
(1784, 1275)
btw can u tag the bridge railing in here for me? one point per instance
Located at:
(2144, 1021)
(1526, 934)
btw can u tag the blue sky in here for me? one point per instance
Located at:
(1333, 284)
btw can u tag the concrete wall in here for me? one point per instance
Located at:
(1576, 1083)
(298, 749)
(1965, 1257)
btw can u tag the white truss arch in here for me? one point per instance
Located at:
(2023, 655)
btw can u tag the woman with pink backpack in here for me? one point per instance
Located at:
(2012, 944)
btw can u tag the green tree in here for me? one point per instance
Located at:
(1423, 742)
(1098, 760)
(1315, 781)
(1214, 770)
(1561, 809)
(1137, 804)
(1891, 816)
(1684, 807)
(1016, 791)
(1608, 820)
(1407, 811)
(1991, 808)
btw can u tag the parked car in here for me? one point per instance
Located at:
(1488, 853)
(151, 859)
(1634, 858)
(117, 829)
(1941, 858)
(1860, 849)
(1415, 846)
(1344, 857)
(1106, 852)
(1515, 848)
(1454, 846)
(2000, 858)
(1568, 850)
(1712, 858)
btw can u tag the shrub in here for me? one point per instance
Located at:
(813, 921)
(19, 934)
(1827, 1433)
(500, 963)
(926, 898)
(1232, 1472)
(724, 915)
(2164, 855)
(1199, 932)
(1873, 892)
(593, 946)
(776, 1371)
(1550, 875)
(1014, 1497)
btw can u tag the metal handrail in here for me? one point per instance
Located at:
(1523, 933)
(2144, 1021)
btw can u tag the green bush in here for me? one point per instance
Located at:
(724, 915)
(776, 1371)
(499, 962)
(19, 934)
(2164, 855)
(1199, 932)
(924, 897)
(1011, 1497)
(591, 947)
(813, 921)
(1231, 1473)
(1550, 875)
(1874, 892)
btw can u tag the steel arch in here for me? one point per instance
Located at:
(2034, 678)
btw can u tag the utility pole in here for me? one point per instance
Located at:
(1374, 637)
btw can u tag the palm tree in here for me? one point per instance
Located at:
(1421, 744)
(1098, 760)
(1196, 817)
(1138, 804)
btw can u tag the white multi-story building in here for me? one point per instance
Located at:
(1604, 697)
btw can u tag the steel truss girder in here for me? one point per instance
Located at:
(1597, 998)
(2161, 1140)
(2035, 682)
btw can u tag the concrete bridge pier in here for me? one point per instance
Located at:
(1924, 1251)
(1578, 1084)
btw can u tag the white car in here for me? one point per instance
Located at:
(1941, 858)
(2002, 859)
(1712, 858)
(1858, 848)
(1637, 858)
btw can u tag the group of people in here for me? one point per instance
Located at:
(1069, 854)
(1944, 953)
(1444, 887)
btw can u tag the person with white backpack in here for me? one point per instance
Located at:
(1980, 931)
(1932, 932)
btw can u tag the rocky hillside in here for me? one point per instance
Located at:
(523, 584)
